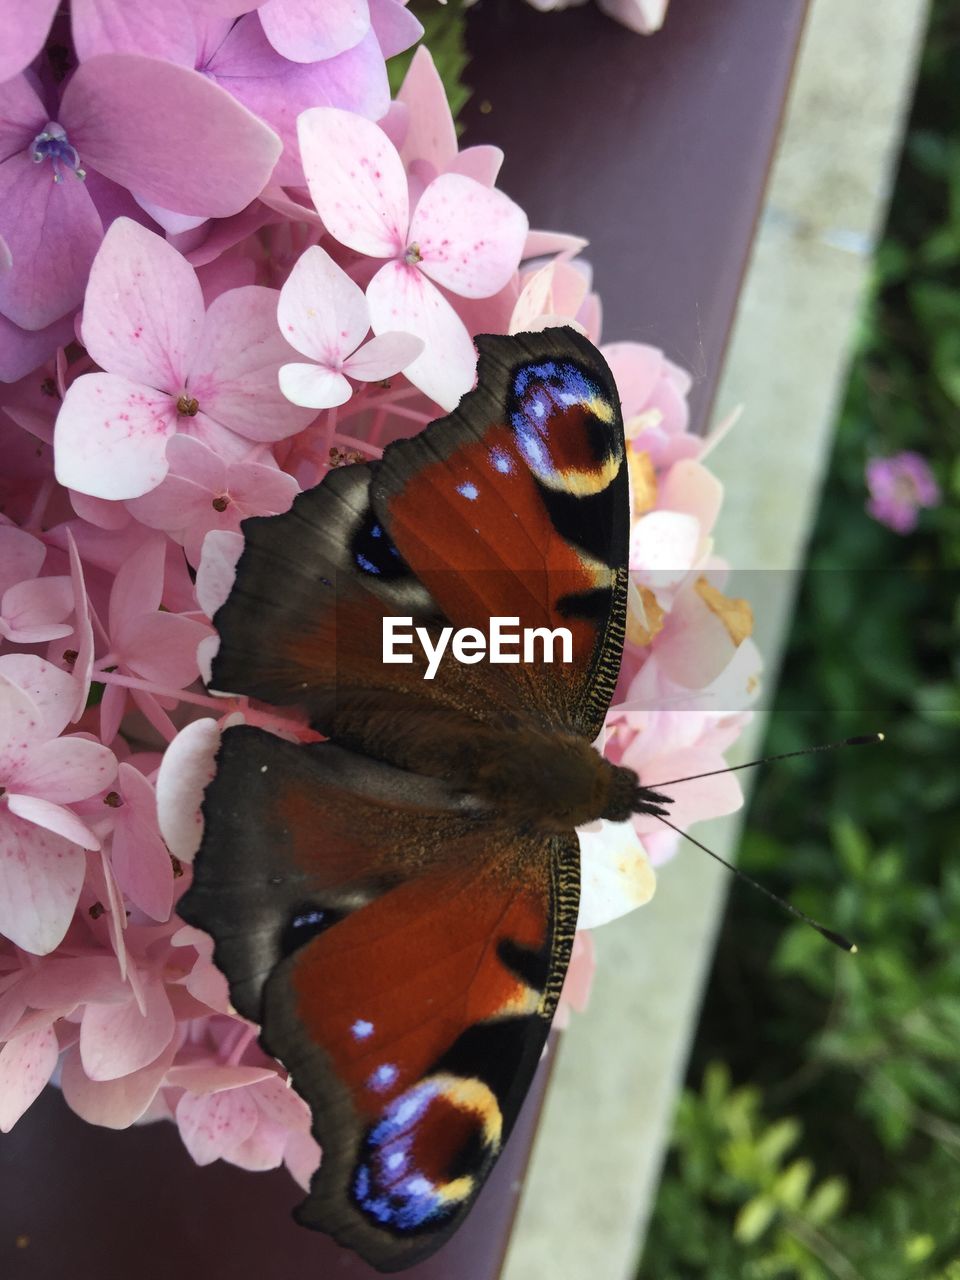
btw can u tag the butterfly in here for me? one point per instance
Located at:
(395, 905)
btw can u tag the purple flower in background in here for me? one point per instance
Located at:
(899, 486)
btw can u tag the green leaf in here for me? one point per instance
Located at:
(754, 1219)
(826, 1201)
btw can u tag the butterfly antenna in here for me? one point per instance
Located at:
(830, 934)
(861, 740)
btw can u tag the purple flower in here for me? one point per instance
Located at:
(163, 132)
(899, 486)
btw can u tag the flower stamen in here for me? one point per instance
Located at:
(52, 144)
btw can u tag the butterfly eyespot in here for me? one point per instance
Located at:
(305, 924)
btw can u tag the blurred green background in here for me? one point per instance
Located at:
(819, 1134)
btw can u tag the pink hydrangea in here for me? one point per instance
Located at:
(139, 434)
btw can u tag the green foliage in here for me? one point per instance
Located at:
(444, 36)
(853, 1062)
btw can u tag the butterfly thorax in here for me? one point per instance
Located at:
(553, 781)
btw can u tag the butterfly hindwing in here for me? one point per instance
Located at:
(403, 954)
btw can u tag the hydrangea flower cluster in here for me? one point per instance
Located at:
(229, 264)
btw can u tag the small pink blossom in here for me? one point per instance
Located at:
(131, 120)
(172, 366)
(203, 491)
(42, 839)
(899, 486)
(461, 235)
(32, 609)
(145, 641)
(325, 316)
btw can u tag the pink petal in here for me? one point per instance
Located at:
(313, 386)
(54, 818)
(690, 487)
(616, 875)
(431, 135)
(20, 730)
(234, 370)
(218, 568)
(637, 369)
(312, 30)
(400, 297)
(138, 585)
(63, 982)
(383, 356)
(187, 767)
(215, 1077)
(694, 646)
(540, 243)
(212, 1124)
(25, 27)
(22, 115)
(281, 1104)
(52, 230)
(395, 26)
(483, 164)
(277, 90)
(21, 556)
(643, 16)
(83, 666)
(116, 1039)
(70, 769)
(162, 648)
(321, 311)
(23, 350)
(262, 1150)
(470, 237)
(302, 1158)
(136, 120)
(663, 545)
(50, 690)
(26, 1064)
(257, 489)
(111, 436)
(133, 26)
(41, 876)
(356, 180)
(143, 313)
(114, 1104)
(33, 611)
(138, 854)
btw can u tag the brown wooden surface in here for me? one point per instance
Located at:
(657, 150)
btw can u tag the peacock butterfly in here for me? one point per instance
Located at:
(395, 906)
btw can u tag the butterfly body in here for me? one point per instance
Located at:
(396, 906)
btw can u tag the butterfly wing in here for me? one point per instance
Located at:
(404, 956)
(515, 505)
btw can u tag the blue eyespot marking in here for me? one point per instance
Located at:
(376, 531)
(361, 1029)
(383, 1077)
(502, 462)
(308, 918)
(468, 490)
(543, 391)
(366, 565)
